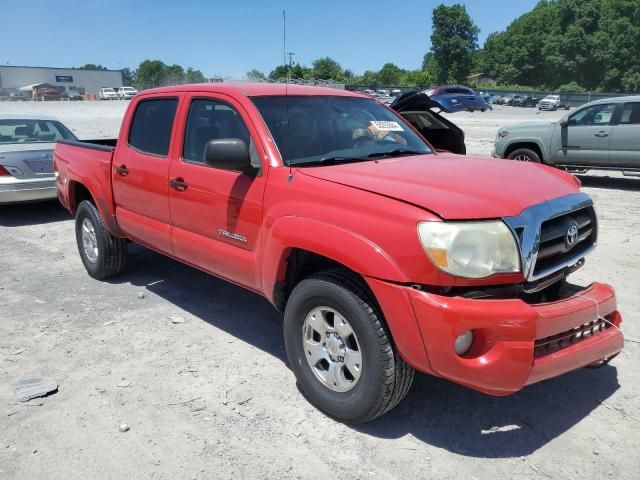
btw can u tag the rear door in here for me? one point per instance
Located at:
(140, 172)
(586, 137)
(216, 213)
(624, 149)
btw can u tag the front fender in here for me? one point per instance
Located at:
(336, 243)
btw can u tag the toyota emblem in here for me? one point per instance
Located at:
(571, 237)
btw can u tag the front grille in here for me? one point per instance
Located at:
(555, 247)
(545, 346)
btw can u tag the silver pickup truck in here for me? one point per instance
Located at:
(602, 135)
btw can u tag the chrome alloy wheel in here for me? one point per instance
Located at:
(89, 241)
(331, 349)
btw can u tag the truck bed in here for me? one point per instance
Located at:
(86, 163)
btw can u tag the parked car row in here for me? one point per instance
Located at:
(12, 95)
(121, 93)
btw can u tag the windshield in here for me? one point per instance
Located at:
(33, 131)
(320, 129)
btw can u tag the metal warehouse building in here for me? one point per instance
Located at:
(85, 81)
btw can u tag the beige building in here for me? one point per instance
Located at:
(84, 81)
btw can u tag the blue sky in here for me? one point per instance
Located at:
(230, 38)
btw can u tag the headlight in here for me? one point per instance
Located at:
(470, 249)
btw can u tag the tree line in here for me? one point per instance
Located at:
(566, 45)
(563, 45)
(154, 73)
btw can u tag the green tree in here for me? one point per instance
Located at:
(92, 66)
(300, 72)
(326, 68)
(150, 73)
(173, 75)
(256, 76)
(453, 41)
(128, 76)
(194, 76)
(390, 74)
(280, 73)
(571, 87)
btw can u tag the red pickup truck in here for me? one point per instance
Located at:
(386, 254)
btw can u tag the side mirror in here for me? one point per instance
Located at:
(229, 154)
(564, 123)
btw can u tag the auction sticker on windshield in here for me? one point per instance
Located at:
(387, 125)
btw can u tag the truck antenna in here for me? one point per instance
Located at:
(286, 89)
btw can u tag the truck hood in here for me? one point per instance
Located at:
(453, 186)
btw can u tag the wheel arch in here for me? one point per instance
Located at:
(297, 247)
(79, 192)
(530, 144)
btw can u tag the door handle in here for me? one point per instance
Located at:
(122, 170)
(601, 134)
(178, 184)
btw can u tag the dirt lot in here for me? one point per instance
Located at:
(213, 398)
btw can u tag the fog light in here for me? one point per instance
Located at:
(463, 342)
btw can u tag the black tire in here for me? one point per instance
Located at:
(112, 251)
(386, 377)
(525, 155)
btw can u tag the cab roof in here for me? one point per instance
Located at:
(256, 89)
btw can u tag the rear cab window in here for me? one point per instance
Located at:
(631, 114)
(151, 126)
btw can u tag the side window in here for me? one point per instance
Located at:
(151, 126)
(211, 120)
(631, 114)
(594, 115)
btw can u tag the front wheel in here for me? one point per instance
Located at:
(102, 254)
(524, 155)
(340, 350)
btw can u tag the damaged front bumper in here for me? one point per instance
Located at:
(515, 343)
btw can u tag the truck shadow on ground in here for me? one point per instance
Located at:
(610, 183)
(32, 214)
(465, 422)
(241, 313)
(437, 412)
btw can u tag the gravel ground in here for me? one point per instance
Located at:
(212, 397)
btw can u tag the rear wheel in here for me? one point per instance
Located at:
(102, 254)
(524, 155)
(340, 350)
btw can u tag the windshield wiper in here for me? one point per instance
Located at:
(396, 152)
(332, 161)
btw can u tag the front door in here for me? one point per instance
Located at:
(584, 140)
(140, 173)
(216, 213)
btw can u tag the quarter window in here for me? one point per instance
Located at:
(594, 115)
(631, 114)
(151, 126)
(211, 120)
